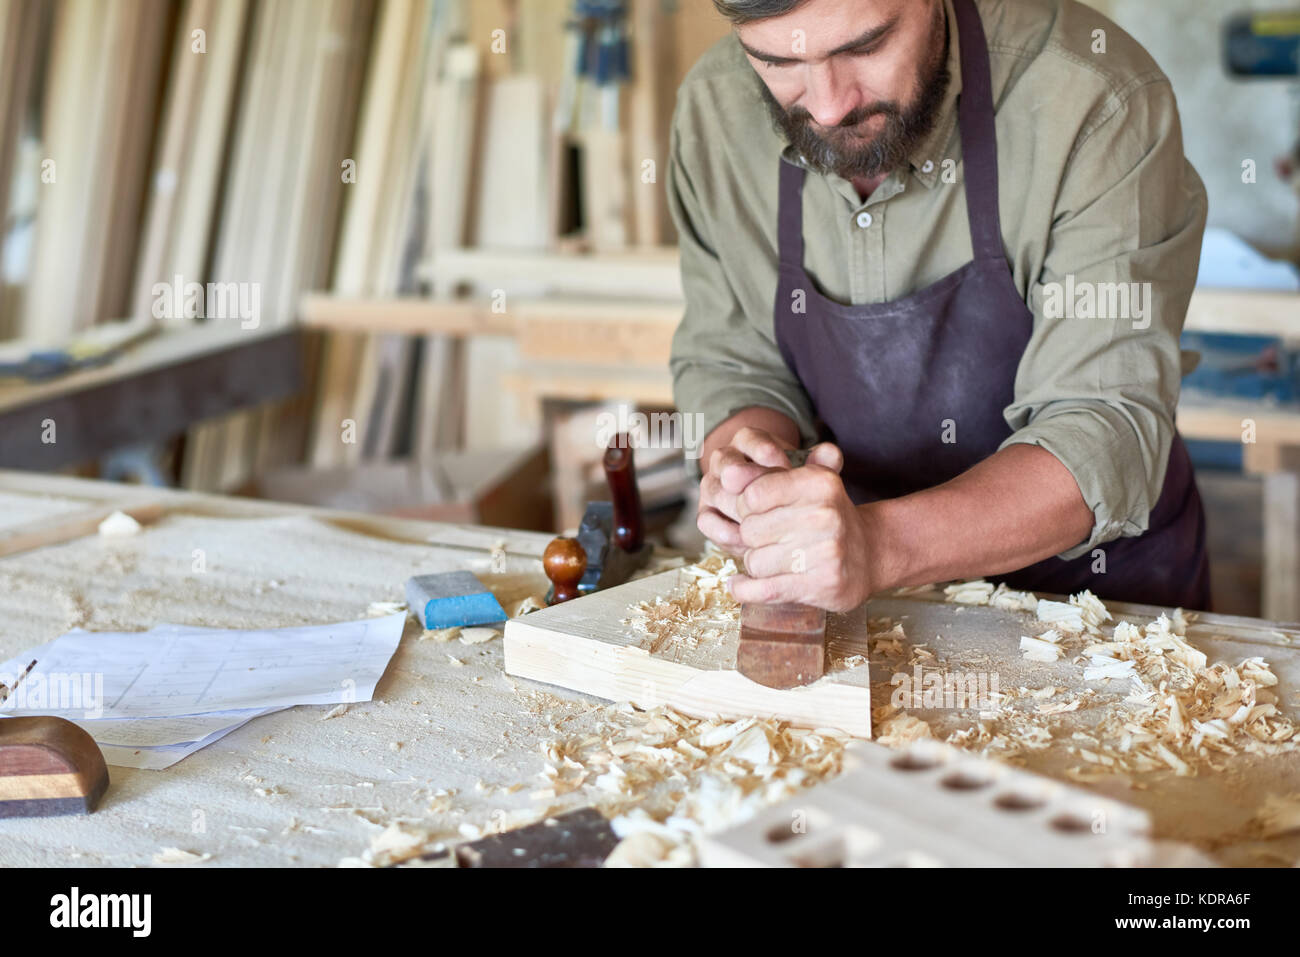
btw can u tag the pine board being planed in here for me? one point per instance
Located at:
(590, 645)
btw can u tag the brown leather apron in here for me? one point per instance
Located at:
(884, 378)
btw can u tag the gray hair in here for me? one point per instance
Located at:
(747, 11)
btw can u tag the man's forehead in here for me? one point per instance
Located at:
(820, 28)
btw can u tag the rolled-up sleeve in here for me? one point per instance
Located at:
(722, 360)
(1100, 393)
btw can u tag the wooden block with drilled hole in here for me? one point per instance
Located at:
(935, 806)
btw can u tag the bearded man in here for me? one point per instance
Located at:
(948, 247)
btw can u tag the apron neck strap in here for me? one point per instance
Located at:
(789, 217)
(979, 142)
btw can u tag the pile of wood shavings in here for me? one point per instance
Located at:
(1183, 714)
(980, 592)
(665, 778)
(675, 621)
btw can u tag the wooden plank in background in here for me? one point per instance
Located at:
(183, 206)
(512, 210)
(1244, 312)
(636, 273)
(651, 98)
(347, 371)
(1281, 584)
(20, 37)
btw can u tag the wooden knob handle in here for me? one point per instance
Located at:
(565, 561)
(620, 471)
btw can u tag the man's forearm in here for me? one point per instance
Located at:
(754, 417)
(1017, 507)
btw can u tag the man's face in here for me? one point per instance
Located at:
(855, 85)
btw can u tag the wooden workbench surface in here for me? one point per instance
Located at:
(448, 732)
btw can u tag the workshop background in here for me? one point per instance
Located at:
(445, 231)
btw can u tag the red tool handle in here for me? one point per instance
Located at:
(629, 522)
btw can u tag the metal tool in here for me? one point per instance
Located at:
(611, 541)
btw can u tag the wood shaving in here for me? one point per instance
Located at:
(1060, 707)
(440, 634)
(335, 712)
(1279, 814)
(686, 776)
(119, 525)
(902, 729)
(175, 857)
(477, 636)
(1182, 714)
(981, 592)
(682, 619)
(377, 609)
(395, 844)
(1043, 648)
(525, 605)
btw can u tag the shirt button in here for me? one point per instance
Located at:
(928, 167)
(864, 220)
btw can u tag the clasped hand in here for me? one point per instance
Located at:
(800, 536)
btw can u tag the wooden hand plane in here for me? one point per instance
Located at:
(611, 544)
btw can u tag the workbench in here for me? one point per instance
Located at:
(450, 744)
(155, 390)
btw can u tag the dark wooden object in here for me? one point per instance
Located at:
(48, 766)
(782, 646)
(579, 839)
(565, 562)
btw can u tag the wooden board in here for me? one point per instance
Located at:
(935, 806)
(501, 721)
(584, 645)
(641, 273)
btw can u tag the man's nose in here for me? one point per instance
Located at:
(829, 96)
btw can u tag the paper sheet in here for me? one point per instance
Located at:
(174, 670)
(165, 732)
(159, 758)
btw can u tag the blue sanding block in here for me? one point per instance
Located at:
(452, 600)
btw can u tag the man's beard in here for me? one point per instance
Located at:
(841, 150)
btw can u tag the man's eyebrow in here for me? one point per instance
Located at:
(868, 36)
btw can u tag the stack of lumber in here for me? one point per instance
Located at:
(499, 182)
(365, 378)
(291, 138)
(23, 29)
(97, 128)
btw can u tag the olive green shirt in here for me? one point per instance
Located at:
(1093, 189)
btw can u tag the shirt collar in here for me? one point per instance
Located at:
(933, 148)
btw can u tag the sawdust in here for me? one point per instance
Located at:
(698, 612)
(897, 730)
(681, 776)
(477, 636)
(1279, 814)
(119, 525)
(440, 634)
(176, 857)
(1181, 714)
(980, 592)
